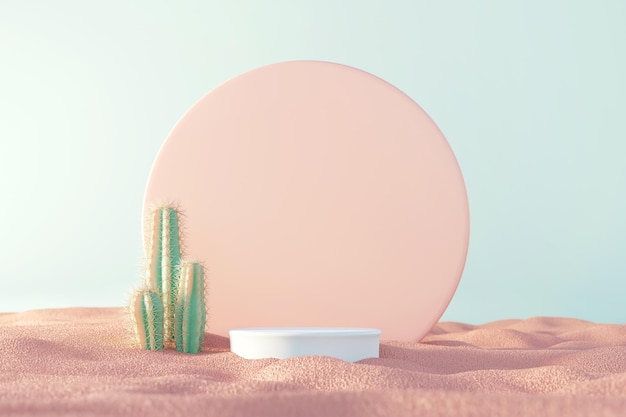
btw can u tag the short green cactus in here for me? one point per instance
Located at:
(163, 253)
(146, 310)
(190, 308)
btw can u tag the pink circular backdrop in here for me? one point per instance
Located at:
(317, 195)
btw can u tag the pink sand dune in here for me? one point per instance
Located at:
(80, 362)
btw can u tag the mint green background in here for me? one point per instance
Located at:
(530, 94)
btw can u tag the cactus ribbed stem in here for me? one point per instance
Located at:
(146, 310)
(164, 258)
(190, 308)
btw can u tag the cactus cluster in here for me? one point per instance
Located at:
(170, 307)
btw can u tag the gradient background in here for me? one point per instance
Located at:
(530, 95)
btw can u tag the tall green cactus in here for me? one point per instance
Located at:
(146, 310)
(163, 253)
(190, 308)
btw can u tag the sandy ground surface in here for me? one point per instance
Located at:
(80, 362)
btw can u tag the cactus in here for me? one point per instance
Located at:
(146, 310)
(171, 309)
(163, 253)
(190, 308)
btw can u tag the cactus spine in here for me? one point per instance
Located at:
(146, 310)
(190, 308)
(164, 258)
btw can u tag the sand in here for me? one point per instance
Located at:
(80, 362)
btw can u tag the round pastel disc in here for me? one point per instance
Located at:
(317, 195)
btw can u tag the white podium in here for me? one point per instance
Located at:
(348, 344)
